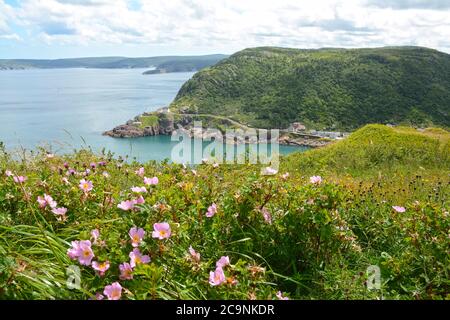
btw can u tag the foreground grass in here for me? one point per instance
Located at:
(281, 233)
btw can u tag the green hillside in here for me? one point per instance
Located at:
(377, 148)
(326, 88)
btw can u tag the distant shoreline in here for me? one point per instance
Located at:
(167, 63)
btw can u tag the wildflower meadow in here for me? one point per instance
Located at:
(95, 226)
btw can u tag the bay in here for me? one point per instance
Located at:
(66, 109)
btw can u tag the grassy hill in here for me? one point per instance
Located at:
(326, 88)
(377, 148)
(383, 200)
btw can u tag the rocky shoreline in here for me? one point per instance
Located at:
(167, 123)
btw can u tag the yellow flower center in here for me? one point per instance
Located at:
(86, 253)
(115, 294)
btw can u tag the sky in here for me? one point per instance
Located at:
(49, 29)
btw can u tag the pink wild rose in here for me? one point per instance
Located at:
(212, 210)
(98, 296)
(140, 172)
(151, 181)
(280, 296)
(86, 185)
(85, 253)
(136, 236)
(194, 254)
(270, 171)
(46, 201)
(139, 200)
(223, 262)
(399, 209)
(126, 205)
(20, 179)
(126, 271)
(95, 234)
(315, 179)
(285, 176)
(60, 211)
(101, 267)
(139, 189)
(113, 291)
(73, 251)
(217, 277)
(161, 230)
(136, 257)
(266, 215)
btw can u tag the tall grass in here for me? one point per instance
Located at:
(310, 241)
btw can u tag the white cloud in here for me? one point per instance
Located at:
(84, 2)
(230, 24)
(410, 4)
(5, 15)
(11, 36)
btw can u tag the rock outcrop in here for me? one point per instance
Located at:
(304, 142)
(166, 123)
(134, 128)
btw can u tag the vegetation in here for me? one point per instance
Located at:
(326, 89)
(376, 147)
(170, 63)
(382, 199)
(186, 65)
(149, 121)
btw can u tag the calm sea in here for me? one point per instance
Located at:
(66, 109)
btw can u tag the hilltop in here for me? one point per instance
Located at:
(344, 89)
(377, 148)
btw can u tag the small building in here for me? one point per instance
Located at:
(296, 127)
(328, 134)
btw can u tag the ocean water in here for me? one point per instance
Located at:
(66, 109)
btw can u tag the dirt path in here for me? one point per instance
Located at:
(215, 117)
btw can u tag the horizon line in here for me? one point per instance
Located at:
(226, 54)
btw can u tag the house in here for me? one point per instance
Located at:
(296, 127)
(329, 134)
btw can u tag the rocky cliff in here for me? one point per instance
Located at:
(164, 125)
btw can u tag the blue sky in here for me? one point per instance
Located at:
(75, 28)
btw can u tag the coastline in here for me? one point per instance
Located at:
(163, 122)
